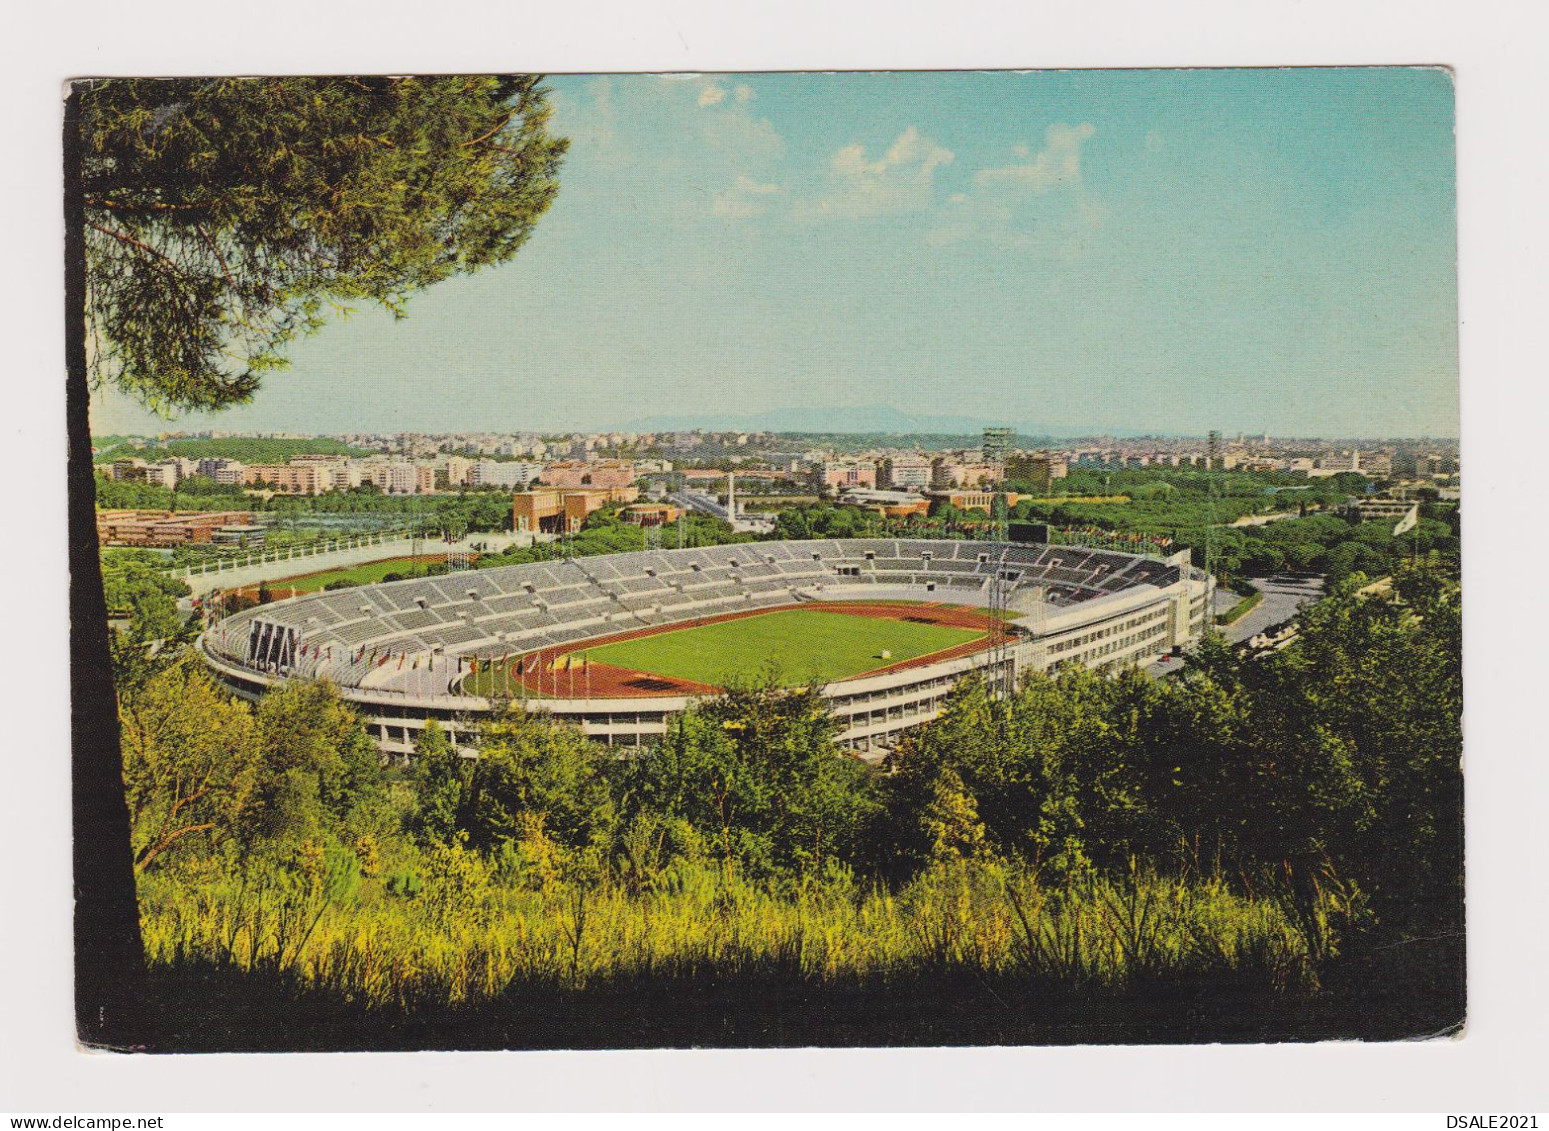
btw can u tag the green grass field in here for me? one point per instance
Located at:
(362, 574)
(805, 645)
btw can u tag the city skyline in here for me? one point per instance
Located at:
(1072, 253)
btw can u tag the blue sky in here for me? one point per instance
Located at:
(1165, 251)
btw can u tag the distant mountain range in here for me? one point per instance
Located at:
(878, 418)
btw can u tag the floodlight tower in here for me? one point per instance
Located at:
(997, 443)
(1002, 680)
(1212, 450)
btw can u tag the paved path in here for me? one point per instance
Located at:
(1283, 596)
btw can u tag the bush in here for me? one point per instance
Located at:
(404, 883)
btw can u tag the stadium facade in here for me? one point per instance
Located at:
(399, 651)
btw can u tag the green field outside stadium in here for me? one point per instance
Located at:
(803, 645)
(366, 574)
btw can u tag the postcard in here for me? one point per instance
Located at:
(612, 561)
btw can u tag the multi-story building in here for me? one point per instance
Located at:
(162, 529)
(289, 479)
(1382, 509)
(232, 475)
(607, 473)
(902, 473)
(219, 469)
(1333, 463)
(163, 473)
(511, 476)
(399, 477)
(458, 469)
(1378, 465)
(973, 499)
(557, 510)
(1423, 465)
(840, 474)
(947, 472)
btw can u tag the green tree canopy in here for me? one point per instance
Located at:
(191, 762)
(224, 217)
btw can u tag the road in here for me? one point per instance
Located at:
(1283, 595)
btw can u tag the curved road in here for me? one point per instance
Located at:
(1284, 594)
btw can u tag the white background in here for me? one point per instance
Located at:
(1497, 49)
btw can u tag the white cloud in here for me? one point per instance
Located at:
(1039, 205)
(746, 198)
(1057, 164)
(901, 180)
(743, 92)
(668, 127)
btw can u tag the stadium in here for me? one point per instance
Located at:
(619, 643)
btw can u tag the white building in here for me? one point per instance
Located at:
(517, 476)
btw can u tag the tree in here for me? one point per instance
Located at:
(190, 762)
(306, 730)
(756, 775)
(440, 777)
(208, 223)
(533, 775)
(223, 218)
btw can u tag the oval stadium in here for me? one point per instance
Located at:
(619, 643)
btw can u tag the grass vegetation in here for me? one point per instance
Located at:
(804, 645)
(365, 574)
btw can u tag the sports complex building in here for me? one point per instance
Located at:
(620, 643)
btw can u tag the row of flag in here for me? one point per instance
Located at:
(528, 665)
(523, 665)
